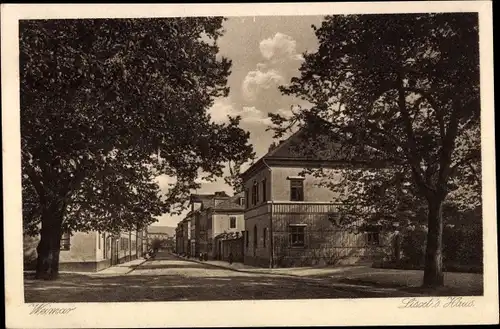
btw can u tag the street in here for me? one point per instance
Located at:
(167, 278)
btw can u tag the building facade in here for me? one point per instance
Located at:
(290, 220)
(91, 251)
(225, 221)
(166, 234)
(179, 238)
(210, 216)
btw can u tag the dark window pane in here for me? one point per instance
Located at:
(255, 236)
(297, 236)
(296, 190)
(264, 186)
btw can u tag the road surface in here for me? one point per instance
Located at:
(167, 278)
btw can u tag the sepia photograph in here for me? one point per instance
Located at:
(333, 156)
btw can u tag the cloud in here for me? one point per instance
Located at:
(281, 62)
(221, 109)
(252, 115)
(280, 47)
(258, 80)
(249, 114)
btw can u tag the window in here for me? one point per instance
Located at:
(297, 235)
(255, 193)
(65, 241)
(264, 237)
(232, 222)
(124, 243)
(264, 196)
(296, 190)
(255, 237)
(372, 238)
(242, 201)
(98, 240)
(104, 245)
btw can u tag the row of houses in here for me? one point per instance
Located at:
(93, 251)
(282, 218)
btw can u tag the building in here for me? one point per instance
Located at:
(160, 232)
(92, 251)
(291, 221)
(186, 236)
(225, 225)
(179, 238)
(210, 216)
(201, 220)
(165, 234)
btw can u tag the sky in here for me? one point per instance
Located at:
(266, 52)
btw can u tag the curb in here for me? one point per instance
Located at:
(243, 270)
(315, 281)
(136, 266)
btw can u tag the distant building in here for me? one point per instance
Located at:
(160, 232)
(225, 221)
(210, 216)
(291, 221)
(183, 237)
(92, 251)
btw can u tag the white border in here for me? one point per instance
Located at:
(235, 313)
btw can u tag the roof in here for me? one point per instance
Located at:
(312, 148)
(233, 203)
(208, 200)
(161, 230)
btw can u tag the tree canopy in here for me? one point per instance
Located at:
(406, 88)
(107, 105)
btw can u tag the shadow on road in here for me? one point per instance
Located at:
(170, 279)
(150, 266)
(85, 288)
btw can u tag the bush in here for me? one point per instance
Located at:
(463, 246)
(413, 247)
(462, 249)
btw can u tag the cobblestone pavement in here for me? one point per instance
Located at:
(167, 278)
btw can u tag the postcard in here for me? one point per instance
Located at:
(212, 165)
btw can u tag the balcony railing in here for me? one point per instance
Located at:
(294, 207)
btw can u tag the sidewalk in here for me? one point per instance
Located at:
(292, 271)
(122, 269)
(410, 280)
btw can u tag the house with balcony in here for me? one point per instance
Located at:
(225, 227)
(212, 219)
(290, 219)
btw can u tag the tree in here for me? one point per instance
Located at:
(107, 105)
(234, 178)
(157, 243)
(403, 89)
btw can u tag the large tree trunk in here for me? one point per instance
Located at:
(48, 248)
(433, 272)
